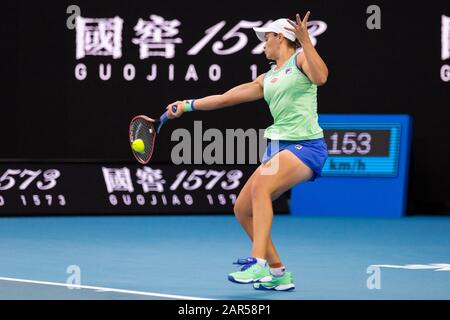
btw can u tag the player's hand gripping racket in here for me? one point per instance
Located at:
(142, 134)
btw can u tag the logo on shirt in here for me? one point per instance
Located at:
(274, 80)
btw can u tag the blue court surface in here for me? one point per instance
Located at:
(189, 257)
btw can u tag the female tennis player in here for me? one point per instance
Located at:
(295, 141)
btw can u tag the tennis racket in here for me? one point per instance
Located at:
(146, 129)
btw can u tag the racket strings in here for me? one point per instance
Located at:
(143, 129)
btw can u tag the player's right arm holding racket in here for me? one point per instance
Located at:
(246, 92)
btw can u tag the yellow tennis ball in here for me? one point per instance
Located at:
(138, 145)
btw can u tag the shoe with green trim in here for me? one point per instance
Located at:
(283, 283)
(250, 272)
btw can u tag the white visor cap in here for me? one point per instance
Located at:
(278, 26)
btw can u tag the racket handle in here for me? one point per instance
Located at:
(163, 119)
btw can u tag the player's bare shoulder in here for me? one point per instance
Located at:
(300, 59)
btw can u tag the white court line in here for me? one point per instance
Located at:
(102, 289)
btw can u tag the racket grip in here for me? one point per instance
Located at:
(164, 117)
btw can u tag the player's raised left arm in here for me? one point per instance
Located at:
(310, 61)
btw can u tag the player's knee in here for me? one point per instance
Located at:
(239, 209)
(259, 189)
(243, 207)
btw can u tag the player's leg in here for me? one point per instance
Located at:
(256, 270)
(251, 271)
(243, 213)
(291, 171)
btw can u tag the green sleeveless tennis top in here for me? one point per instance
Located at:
(292, 99)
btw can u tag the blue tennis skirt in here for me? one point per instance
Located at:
(313, 153)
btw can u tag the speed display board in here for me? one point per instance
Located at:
(362, 148)
(366, 173)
